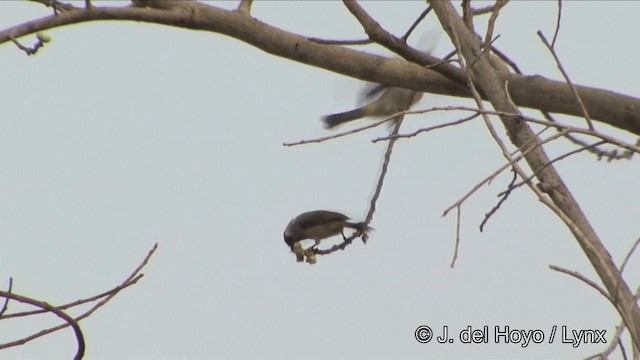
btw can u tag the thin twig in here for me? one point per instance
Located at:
(506, 59)
(503, 197)
(485, 50)
(483, 10)
(563, 156)
(582, 278)
(445, 60)
(69, 321)
(383, 171)
(623, 350)
(424, 14)
(346, 133)
(567, 129)
(488, 179)
(557, 31)
(77, 302)
(41, 40)
(492, 20)
(455, 250)
(610, 155)
(6, 300)
(56, 6)
(626, 258)
(567, 79)
(612, 344)
(133, 277)
(427, 129)
(343, 245)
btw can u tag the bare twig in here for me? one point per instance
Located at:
(582, 278)
(506, 59)
(424, 14)
(133, 277)
(455, 250)
(567, 79)
(503, 197)
(77, 302)
(610, 155)
(69, 321)
(445, 60)
(483, 10)
(383, 171)
(635, 148)
(42, 39)
(563, 156)
(626, 258)
(485, 50)
(57, 6)
(557, 31)
(339, 135)
(489, 178)
(427, 129)
(492, 20)
(6, 300)
(612, 344)
(245, 7)
(623, 350)
(343, 245)
(619, 331)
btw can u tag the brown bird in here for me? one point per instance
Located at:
(318, 225)
(390, 101)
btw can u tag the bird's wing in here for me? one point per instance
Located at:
(373, 90)
(318, 217)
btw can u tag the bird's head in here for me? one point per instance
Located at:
(289, 240)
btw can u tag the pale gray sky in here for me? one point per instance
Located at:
(119, 135)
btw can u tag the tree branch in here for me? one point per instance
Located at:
(107, 296)
(59, 313)
(562, 202)
(535, 92)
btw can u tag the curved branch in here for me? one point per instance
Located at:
(54, 310)
(535, 92)
(131, 279)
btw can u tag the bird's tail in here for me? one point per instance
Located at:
(333, 120)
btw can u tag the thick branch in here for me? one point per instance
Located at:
(535, 92)
(521, 135)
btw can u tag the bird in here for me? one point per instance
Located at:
(317, 225)
(390, 101)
